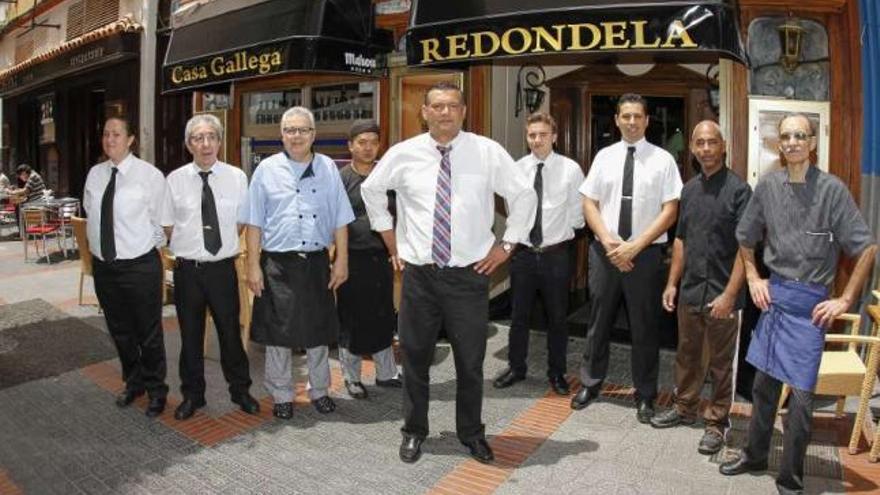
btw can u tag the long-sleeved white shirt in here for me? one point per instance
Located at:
(137, 207)
(561, 207)
(480, 168)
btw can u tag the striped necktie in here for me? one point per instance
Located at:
(441, 247)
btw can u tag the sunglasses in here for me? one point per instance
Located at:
(797, 136)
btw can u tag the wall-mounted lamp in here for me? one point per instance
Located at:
(529, 94)
(790, 36)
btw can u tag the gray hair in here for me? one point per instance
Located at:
(299, 112)
(797, 115)
(203, 118)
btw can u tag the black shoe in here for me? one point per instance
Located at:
(356, 390)
(410, 448)
(645, 411)
(670, 418)
(283, 410)
(741, 464)
(156, 407)
(480, 450)
(324, 405)
(584, 397)
(125, 398)
(507, 378)
(711, 442)
(559, 385)
(247, 403)
(187, 408)
(390, 383)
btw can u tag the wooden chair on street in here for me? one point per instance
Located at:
(85, 255)
(843, 373)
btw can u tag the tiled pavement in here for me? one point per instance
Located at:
(63, 435)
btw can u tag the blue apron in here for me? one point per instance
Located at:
(785, 344)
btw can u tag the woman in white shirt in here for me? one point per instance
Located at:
(123, 202)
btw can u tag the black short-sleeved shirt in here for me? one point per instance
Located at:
(709, 211)
(360, 236)
(804, 225)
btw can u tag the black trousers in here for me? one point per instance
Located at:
(797, 430)
(640, 291)
(130, 293)
(197, 288)
(456, 299)
(547, 274)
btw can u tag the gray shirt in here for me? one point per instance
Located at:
(804, 225)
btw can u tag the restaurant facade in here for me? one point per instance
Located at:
(744, 63)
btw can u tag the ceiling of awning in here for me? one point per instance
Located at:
(557, 31)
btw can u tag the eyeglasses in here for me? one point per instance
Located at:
(204, 138)
(439, 107)
(297, 131)
(797, 136)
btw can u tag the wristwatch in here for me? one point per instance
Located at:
(507, 247)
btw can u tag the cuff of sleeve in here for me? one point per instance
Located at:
(381, 224)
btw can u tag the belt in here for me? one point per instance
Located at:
(198, 263)
(544, 249)
(301, 254)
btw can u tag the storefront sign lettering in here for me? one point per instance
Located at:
(609, 35)
(225, 66)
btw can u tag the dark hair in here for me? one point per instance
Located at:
(632, 98)
(444, 86)
(24, 168)
(130, 129)
(361, 126)
(542, 117)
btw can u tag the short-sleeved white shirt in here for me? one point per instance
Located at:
(655, 181)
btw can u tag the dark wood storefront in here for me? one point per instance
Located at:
(53, 111)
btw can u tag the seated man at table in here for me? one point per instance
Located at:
(33, 184)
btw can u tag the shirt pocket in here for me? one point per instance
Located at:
(817, 243)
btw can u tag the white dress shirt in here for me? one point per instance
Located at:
(655, 181)
(480, 168)
(137, 206)
(561, 208)
(182, 209)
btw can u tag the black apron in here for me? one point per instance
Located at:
(366, 306)
(296, 308)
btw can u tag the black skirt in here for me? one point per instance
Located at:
(296, 309)
(365, 303)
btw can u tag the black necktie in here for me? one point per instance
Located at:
(536, 236)
(108, 239)
(210, 224)
(624, 225)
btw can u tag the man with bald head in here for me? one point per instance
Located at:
(704, 259)
(805, 218)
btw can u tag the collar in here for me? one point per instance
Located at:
(810, 178)
(452, 144)
(195, 169)
(546, 161)
(122, 166)
(295, 165)
(639, 145)
(716, 177)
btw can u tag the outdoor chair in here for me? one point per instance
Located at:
(843, 373)
(38, 229)
(85, 255)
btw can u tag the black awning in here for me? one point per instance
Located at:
(273, 37)
(459, 31)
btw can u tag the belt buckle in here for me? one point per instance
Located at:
(538, 250)
(198, 263)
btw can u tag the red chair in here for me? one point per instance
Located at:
(37, 228)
